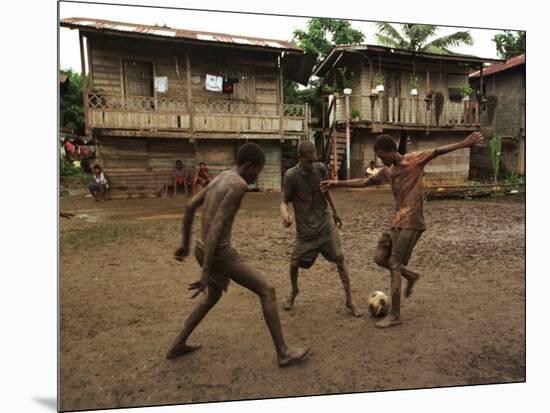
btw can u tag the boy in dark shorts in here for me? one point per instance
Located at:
(404, 173)
(220, 262)
(100, 185)
(315, 231)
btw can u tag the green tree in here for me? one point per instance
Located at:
(323, 34)
(509, 44)
(71, 110)
(419, 37)
(320, 36)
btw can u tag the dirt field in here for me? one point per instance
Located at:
(123, 300)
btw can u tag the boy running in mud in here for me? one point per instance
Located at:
(315, 231)
(220, 262)
(404, 173)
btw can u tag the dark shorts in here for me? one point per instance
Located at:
(223, 257)
(98, 187)
(401, 243)
(306, 252)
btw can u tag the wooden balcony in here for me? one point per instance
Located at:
(142, 115)
(409, 112)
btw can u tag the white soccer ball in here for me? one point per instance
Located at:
(378, 303)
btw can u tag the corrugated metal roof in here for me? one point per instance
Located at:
(161, 31)
(510, 63)
(325, 65)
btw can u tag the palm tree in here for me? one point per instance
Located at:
(416, 37)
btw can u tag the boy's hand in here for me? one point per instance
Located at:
(337, 221)
(181, 252)
(200, 285)
(287, 222)
(326, 185)
(473, 139)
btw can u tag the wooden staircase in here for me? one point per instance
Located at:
(329, 135)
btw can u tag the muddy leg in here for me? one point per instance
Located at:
(294, 268)
(344, 277)
(381, 257)
(180, 346)
(393, 318)
(244, 274)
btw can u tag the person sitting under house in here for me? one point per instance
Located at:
(201, 178)
(100, 185)
(371, 170)
(179, 175)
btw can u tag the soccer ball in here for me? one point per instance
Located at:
(378, 304)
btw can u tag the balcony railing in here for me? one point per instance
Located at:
(410, 111)
(136, 103)
(164, 104)
(164, 113)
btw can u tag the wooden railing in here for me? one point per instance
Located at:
(204, 106)
(414, 111)
(136, 103)
(294, 111)
(224, 116)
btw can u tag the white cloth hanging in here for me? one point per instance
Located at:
(214, 83)
(161, 84)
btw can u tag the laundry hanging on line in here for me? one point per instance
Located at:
(214, 83)
(228, 84)
(161, 84)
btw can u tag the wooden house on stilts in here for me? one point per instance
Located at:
(155, 94)
(416, 97)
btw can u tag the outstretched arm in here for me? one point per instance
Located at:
(188, 217)
(377, 179)
(474, 138)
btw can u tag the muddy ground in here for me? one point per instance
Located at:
(123, 299)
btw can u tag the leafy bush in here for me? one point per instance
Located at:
(66, 168)
(414, 81)
(466, 90)
(71, 109)
(379, 79)
(514, 179)
(495, 145)
(355, 114)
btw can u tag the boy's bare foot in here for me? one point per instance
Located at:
(289, 302)
(389, 321)
(174, 353)
(410, 285)
(354, 310)
(292, 356)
